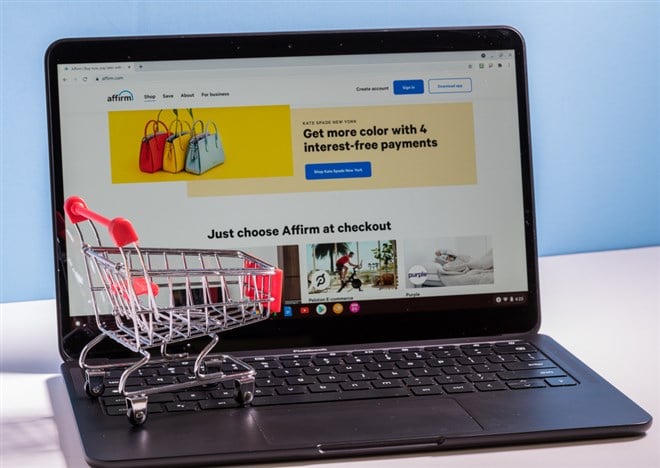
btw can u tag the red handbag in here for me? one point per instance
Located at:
(152, 146)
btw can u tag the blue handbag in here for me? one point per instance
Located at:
(205, 149)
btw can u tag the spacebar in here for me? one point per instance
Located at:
(329, 396)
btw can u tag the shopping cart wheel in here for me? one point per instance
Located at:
(244, 391)
(136, 410)
(94, 385)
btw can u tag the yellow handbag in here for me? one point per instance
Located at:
(176, 145)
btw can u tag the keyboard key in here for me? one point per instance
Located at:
(161, 398)
(265, 391)
(501, 358)
(482, 346)
(455, 370)
(218, 404)
(560, 381)
(380, 366)
(173, 371)
(447, 353)
(352, 386)
(162, 380)
(439, 348)
(487, 377)
(114, 400)
(318, 370)
(482, 368)
(358, 359)
(295, 364)
(326, 361)
(332, 354)
(185, 378)
(291, 390)
(348, 368)
(395, 374)
(403, 350)
(269, 382)
(222, 394)
(478, 351)
(114, 374)
(531, 374)
(523, 365)
(255, 359)
(426, 372)
(394, 383)
(471, 360)
(525, 384)
(300, 380)
(265, 365)
(283, 373)
(419, 382)
(296, 357)
(490, 386)
(364, 352)
(416, 356)
(323, 388)
(422, 391)
(530, 357)
(332, 378)
(387, 357)
(362, 376)
(146, 372)
(450, 379)
(441, 362)
(116, 410)
(182, 406)
(121, 410)
(410, 364)
(459, 388)
(135, 381)
(192, 396)
(110, 392)
(508, 348)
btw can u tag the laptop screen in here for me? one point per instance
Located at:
(390, 184)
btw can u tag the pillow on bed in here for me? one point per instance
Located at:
(433, 268)
(483, 263)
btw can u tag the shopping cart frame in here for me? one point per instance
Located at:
(203, 298)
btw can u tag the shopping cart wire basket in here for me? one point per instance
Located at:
(160, 296)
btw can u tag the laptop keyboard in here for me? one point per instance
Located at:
(366, 374)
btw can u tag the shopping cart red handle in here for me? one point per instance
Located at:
(121, 230)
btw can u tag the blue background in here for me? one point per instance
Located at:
(594, 100)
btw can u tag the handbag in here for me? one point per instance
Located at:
(152, 146)
(176, 146)
(205, 150)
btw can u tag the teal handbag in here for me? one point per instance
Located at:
(205, 150)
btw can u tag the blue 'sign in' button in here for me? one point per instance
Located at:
(408, 86)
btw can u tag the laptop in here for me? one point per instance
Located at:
(386, 173)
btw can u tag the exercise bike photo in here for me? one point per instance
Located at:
(352, 279)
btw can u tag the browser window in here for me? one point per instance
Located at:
(366, 179)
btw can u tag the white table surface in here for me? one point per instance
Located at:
(604, 307)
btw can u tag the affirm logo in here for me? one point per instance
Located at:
(122, 96)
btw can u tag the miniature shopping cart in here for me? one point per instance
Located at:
(157, 297)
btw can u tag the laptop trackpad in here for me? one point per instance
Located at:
(357, 423)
